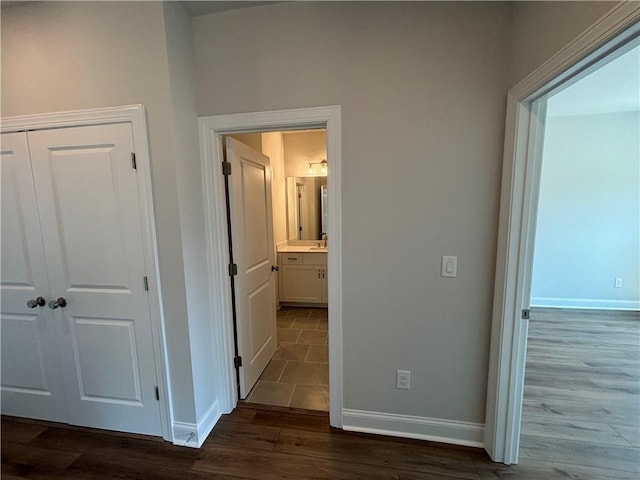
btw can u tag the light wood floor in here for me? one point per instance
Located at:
(582, 390)
(580, 422)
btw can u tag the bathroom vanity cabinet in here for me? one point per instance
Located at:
(303, 277)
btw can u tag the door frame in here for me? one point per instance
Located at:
(136, 116)
(518, 206)
(212, 128)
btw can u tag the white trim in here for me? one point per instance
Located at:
(421, 428)
(136, 115)
(211, 129)
(193, 435)
(516, 224)
(585, 303)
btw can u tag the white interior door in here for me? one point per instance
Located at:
(252, 232)
(32, 385)
(87, 194)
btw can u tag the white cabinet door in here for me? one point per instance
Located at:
(252, 232)
(301, 283)
(87, 194)
(32, 385)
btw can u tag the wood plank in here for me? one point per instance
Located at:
(371, 450)
(298, 421)
(241, 414)
(580, 453)
(262, 465)
(244, 435)
(34, 462)
(19, 432)
(572, 430)
(91, 467)
(115, 447)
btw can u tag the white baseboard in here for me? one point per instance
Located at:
(193, 435)
(422, 428)
(586, 303)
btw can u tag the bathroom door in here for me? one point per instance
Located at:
(252, 239)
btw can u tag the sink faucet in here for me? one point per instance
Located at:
(324, 240)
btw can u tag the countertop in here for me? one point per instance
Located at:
(302, 248)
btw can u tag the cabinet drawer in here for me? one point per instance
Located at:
(315, 258)
(291, 258)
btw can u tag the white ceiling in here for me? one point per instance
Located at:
(203, 7)
(614, 87)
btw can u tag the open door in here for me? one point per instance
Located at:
(252, 240)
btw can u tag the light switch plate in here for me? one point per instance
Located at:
(449, 266)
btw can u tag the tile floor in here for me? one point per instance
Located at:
(298, 374)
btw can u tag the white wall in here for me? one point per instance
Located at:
(254, 140)
(303, 148)
(422, 88)
(541, 29)
(182, 84)
(588, 228)
(272, 147)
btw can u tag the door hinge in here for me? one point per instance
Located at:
(526, 314)
(226, 168)
(146, 283)
(157, 393)
(233, 269)
(134, 165)
(237, 361)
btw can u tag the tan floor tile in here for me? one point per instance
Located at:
(288, 335)
(305, 323)
(273, 371)
(271, 393)
(319, 313)
(317, 353)
(300, 373)
(322, 375)
(284, 322)
(323, 324)
(311, 398)
(312, 337)
(298, 312)
(291, 351)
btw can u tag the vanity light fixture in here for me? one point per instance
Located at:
(323, 167)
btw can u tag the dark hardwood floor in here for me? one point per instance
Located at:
(581, 421)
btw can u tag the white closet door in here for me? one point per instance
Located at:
(90, 217)
(32, 385)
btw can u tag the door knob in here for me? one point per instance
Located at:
(36, 302)
(60, 302)
(275, 268)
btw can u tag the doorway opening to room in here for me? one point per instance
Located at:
(582, 375)
(277, 212)
(526, 144)
(250, 174)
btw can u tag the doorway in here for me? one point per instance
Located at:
(618, 32)
(212, 130)
(582, 376)
(279, 252)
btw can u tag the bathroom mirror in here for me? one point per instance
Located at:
(306, 208)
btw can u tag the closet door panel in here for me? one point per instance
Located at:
(32, 384)
(88, 196)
